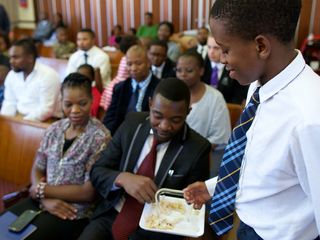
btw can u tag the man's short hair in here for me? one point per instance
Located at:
(148, 14)
(174, 90)
(28, 46)
(157, 42)
(249, 18)
(88, 30)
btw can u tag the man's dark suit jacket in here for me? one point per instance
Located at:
(231, 90)
(187, 155)
(120, 100)
(168, 69)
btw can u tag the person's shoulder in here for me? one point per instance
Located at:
(195, 139)
(99, 52)
(136, 118)
(98, 129)
(213, 92)
(45, 70)
(122, 84)
(57, 125)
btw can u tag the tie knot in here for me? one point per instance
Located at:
(155, 142)
(255, 96)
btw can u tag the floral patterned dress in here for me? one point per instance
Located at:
(73, 166)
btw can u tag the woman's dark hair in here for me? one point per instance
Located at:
(174, 90)
(89, 68)
(195, 55)
(169, 25)
(126, 42)
(249, 18)
(77, 80)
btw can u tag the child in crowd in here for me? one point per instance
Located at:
(94, 75)
(60, 174)
(63, 48)
(269, 174)
(116, 33)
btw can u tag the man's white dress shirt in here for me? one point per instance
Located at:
(279, 193)
(96, 57)
(37, 97)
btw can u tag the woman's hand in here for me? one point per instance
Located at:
(59, 208)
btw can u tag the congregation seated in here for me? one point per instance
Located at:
(4, 47)
(60, 174)
(136, 163)
(133, 93)
(89, 53)
(217, 76)
(116, 33)
(43, 29)
(202, 38)
(165, 31)
(63, 48)
(31, 88)
(94, 75)
(3, 73)
(161, 65)
(148, 30)
(126, 42)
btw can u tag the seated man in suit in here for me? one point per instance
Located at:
(161, 65)
(217, 75)
(121, 175)
(132, 94)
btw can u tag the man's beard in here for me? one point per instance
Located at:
(17, 70)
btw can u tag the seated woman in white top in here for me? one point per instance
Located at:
(209, 114)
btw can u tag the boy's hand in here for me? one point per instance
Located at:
(196, 194)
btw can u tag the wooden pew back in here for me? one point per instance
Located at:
(19, 142)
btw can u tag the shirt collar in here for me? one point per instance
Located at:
(141, 84)
(160, 68)
(281, 80)
(219, 65)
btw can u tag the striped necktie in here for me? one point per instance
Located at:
(223, 201)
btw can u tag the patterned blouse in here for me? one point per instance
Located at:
(74, 165)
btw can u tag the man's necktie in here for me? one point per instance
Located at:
(134, 99)
(127, 220)
(223, 201)
(214, 77)
(85, 55)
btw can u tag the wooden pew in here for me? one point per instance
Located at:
(19, 142)
(115, 57)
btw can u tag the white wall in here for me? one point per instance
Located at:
(20, 17)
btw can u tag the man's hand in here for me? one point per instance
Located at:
(196, 194)
(140, 187)
(59, 208)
